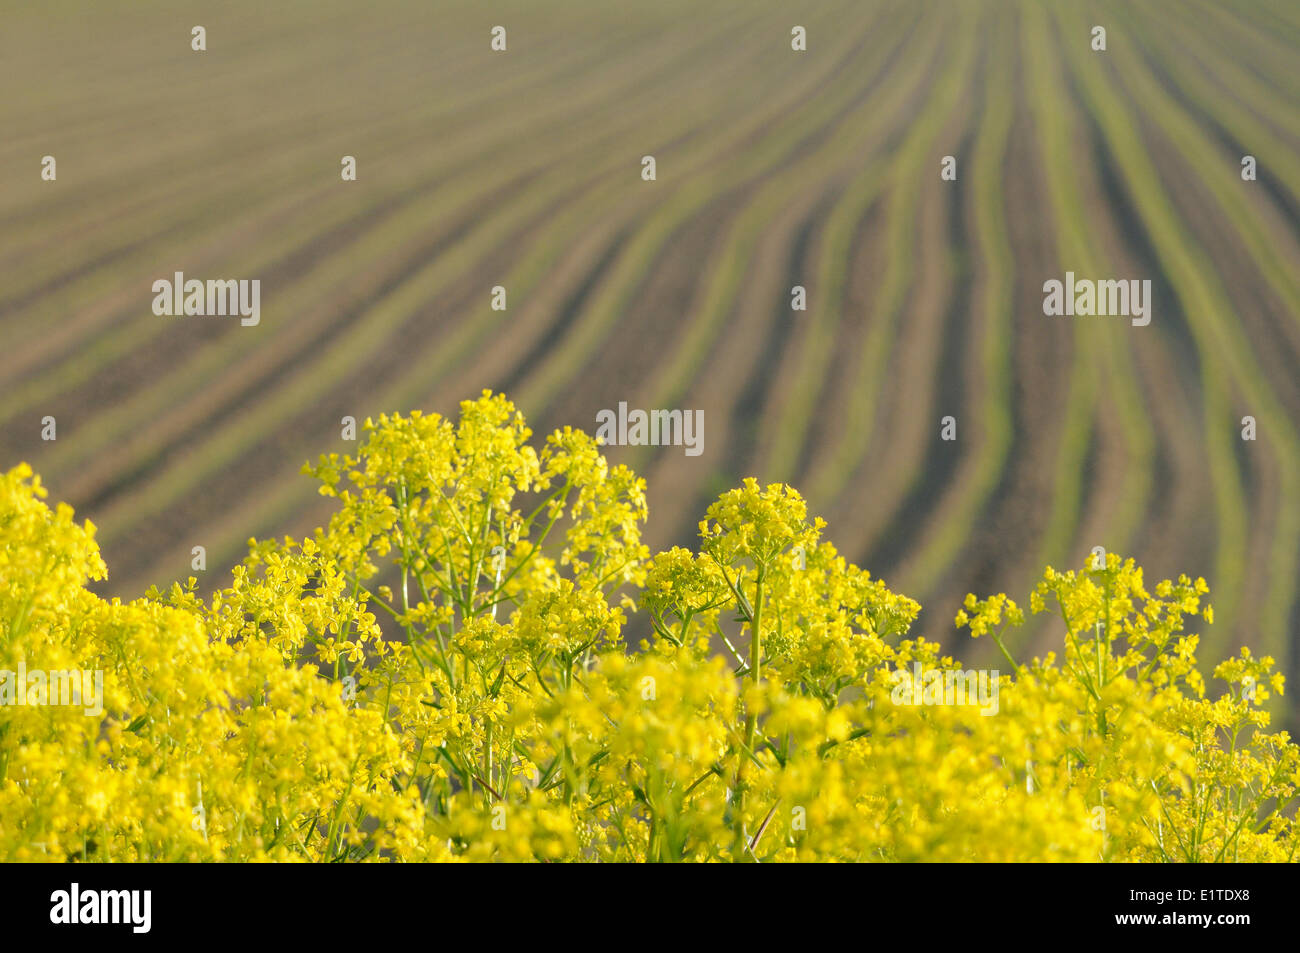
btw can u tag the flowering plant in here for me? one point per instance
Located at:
(441, 673)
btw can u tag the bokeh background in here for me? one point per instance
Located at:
(775, 169)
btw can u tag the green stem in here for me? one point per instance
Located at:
(751, 720)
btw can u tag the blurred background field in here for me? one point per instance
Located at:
(775, 169)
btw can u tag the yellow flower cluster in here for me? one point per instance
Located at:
(442, 674)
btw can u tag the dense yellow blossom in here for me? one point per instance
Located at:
(442, 673)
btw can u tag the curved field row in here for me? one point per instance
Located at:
(326, 295)
(1230, 364)
(290, 471)
(239, 436)
(459, 169)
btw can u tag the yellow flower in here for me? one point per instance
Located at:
(439, 674)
